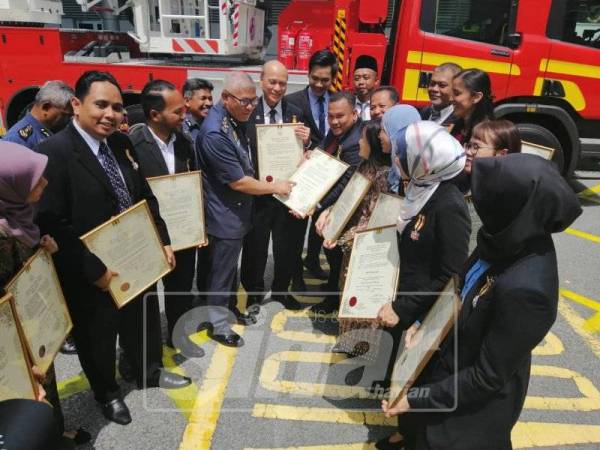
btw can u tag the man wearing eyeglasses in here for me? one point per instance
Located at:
(228, 174)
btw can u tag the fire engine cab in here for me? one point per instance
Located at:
(543, 55)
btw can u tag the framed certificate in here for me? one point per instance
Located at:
(342, 210)
(41, 308)
(129, 244)
(182, 207)
(314, 178)
(386, 211)
(373, 271)
(16, 378)
(536, 149)
(279, 151)
(428, 338)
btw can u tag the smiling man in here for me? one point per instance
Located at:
(93, 175)
(197, 94)
(440, 95)
(365, 80)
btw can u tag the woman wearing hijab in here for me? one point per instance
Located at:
(433, 227)
(21, 186)
(394, 121)
(509, 294)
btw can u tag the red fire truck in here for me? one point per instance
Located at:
(543, 57)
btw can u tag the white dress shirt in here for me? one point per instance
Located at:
(167, 149)
(363, 109)
(267, 112)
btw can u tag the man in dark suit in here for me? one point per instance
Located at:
(162, 149)
(269, 216)
(313, 101)
(94, 175)
(342, 142)
(440, 110)
(229, 186)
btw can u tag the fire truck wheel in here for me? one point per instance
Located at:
(537, 134)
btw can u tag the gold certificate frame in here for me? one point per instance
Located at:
(386, 211)
(279, 151)
(41, 308)
(16, 377)
(346, 205)
(313, 180)
(373, 273)
(129, 244)
(181, 207)
(438, 322)
(536, 149)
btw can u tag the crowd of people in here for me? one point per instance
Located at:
(474, 207)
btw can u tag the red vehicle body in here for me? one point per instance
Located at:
(543, 57)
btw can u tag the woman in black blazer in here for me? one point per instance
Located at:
(433, 226)
(510, 295)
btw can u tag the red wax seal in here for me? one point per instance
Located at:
(352, 302)
(269, 178)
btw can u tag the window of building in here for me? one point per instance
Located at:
(476, 20)
(576, 21)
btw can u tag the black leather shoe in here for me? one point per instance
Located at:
(327, 306)
(288, 301)
(125, 368)
(167, 380)
(116, 411)
(315, 270)
(254, 300)
(229, 340)
(245, 318)
(385, 444)
(68, 348)
(192, 350)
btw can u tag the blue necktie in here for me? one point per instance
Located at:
(321, 115)
(109, 163)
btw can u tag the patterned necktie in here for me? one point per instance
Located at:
(321, 113)
(272, 116)
(109, 163)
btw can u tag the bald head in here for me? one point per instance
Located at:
(235, 81)
(273, 81)
(239, 95)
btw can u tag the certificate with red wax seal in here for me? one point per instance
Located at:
(41, 308)
(372, 277)
(278, 150)
(129, 244)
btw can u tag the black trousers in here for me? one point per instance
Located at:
(315, 242)
(178, 287)
(202, 270)
(270, 218)
(96, 324)
(334, 258)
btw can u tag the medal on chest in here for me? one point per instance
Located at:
(415, 234)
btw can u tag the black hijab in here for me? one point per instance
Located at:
(519, 198)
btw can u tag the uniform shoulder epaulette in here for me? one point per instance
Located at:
(26, 131)
(225, 125)
(45, 132)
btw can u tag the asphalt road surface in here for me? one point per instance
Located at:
(285, 389)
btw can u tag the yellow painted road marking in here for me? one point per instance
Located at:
(589, 402)
(358, 446)
(551, 346)
(270, 372)
(591, 191)
(72, 386)
(540, 434)
(326, 415)
(280, 319)
(591, 325)
(583, 235)
(199, 431)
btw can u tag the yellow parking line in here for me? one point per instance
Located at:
(591, 325)
(317, 337)
(198, 433)
(591, 191)
(583, 235)
(358, 446)
(72, 386)
(577, 323)
(540, 434)
(326, 415)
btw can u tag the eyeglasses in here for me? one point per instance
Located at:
(245, 102)
(474, 148)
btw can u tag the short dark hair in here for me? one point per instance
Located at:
(195, 84)
(151, 97)
(451, 67)
(503, 134)
(391, 90)
(323, 58)
(343, 95)
(371, 129)
(85, 81)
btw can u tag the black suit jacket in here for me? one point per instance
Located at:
(152, 161)
(494, 340)
(79, 197)
(426, 113)
(301, 101)
(349, 154)
(258, 117)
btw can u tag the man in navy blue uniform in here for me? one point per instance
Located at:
(49, 114)
(229, 184)
(197, 94)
